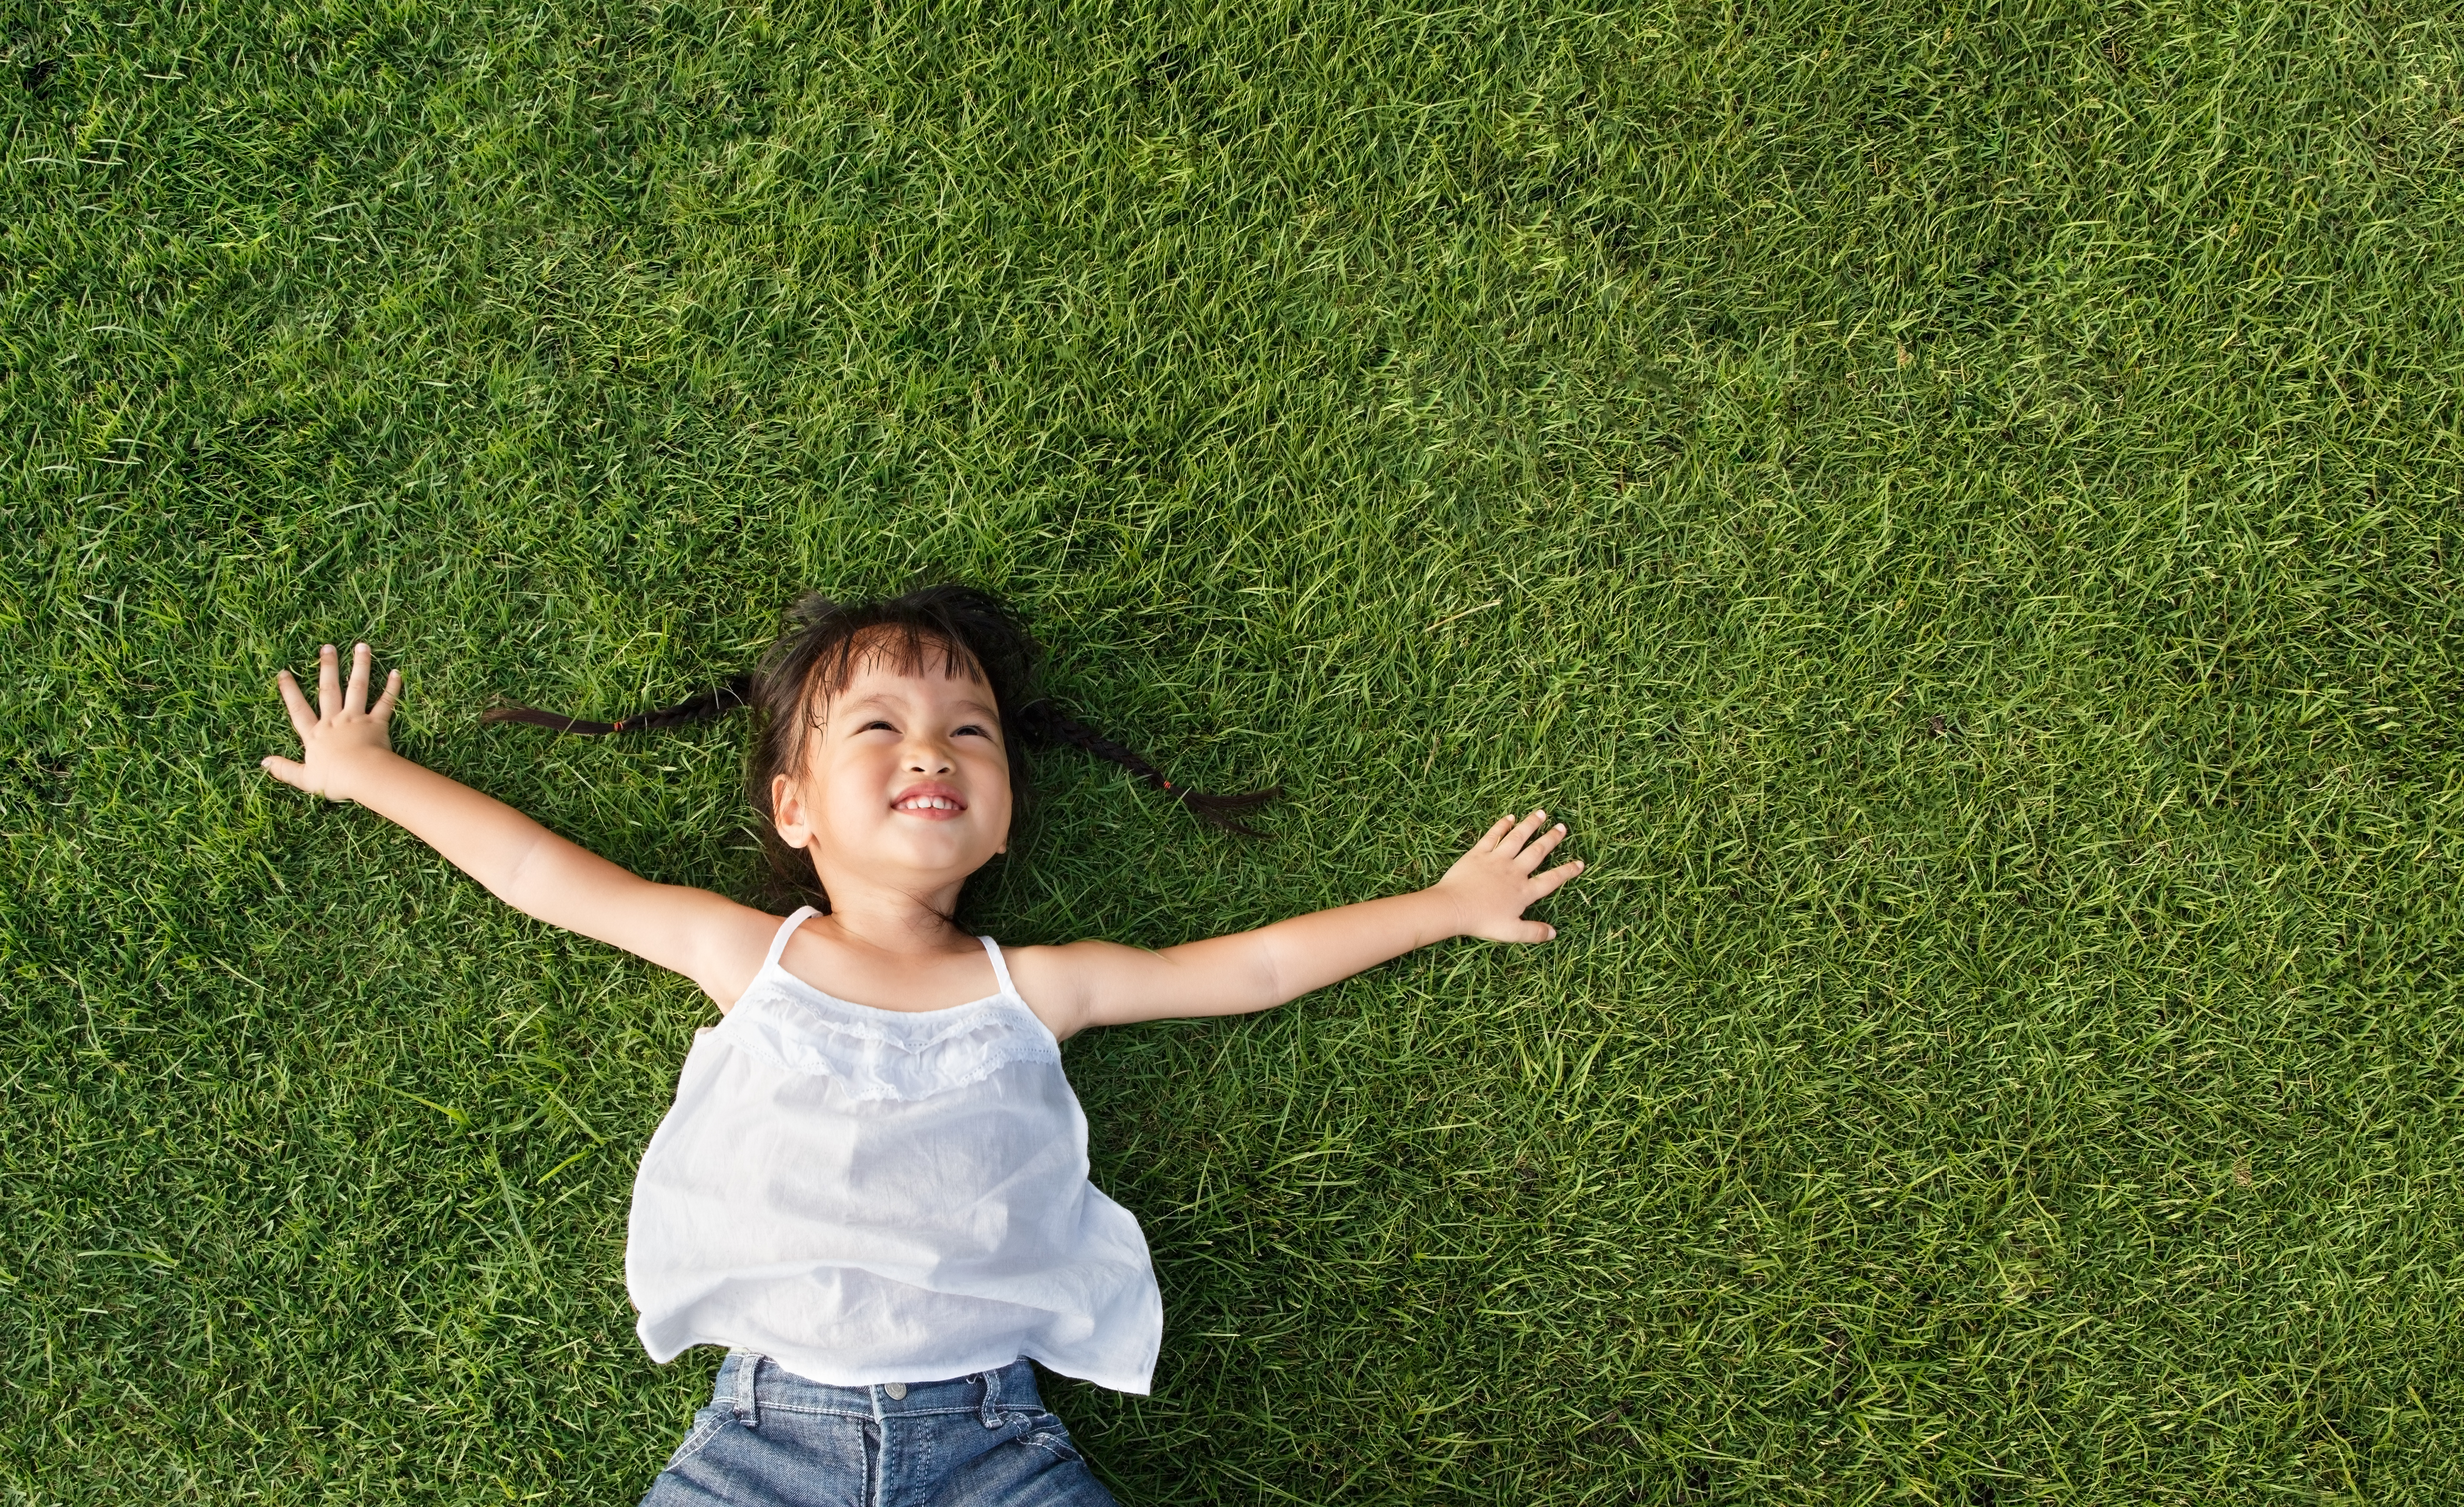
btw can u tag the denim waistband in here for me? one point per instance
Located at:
(750, 1381)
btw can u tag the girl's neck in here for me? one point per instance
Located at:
(893, 921)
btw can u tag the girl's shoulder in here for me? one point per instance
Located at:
(1060, 980)
(736, 943)
(1038, 974)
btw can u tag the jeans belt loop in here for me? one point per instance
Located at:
(748, 1366)
(991, 1414)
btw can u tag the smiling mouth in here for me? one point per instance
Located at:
(929, 803)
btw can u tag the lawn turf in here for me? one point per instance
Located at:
(1957, 505)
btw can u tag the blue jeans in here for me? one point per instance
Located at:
(772, 1438)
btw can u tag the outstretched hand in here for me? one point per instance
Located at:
(1493, 884)
(342, 726)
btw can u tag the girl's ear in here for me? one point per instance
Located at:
(787, 812)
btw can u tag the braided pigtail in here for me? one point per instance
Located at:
(719, 699)
(1045, 723)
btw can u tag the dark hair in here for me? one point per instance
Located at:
(971, 633)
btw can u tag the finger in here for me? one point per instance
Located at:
(329, 683)
(1496, 830)
(1535, 932)
(1538, 849)
(383, 711)
(1521, 832)
(1554, 880)
(302, 720)
(287, 770)
(355, 698)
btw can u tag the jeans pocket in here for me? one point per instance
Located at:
(706, 1425)
(1046, 1433)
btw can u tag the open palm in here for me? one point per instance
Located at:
(340, 728)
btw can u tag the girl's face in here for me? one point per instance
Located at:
(905, 782)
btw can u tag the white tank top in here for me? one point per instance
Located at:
(878, 1195)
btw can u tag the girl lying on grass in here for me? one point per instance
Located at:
(873, 1186)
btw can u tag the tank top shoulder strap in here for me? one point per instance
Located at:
(787, 930)
(1000, 969)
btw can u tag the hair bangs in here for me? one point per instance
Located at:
(902, 647)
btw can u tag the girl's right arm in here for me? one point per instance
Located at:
(346, 755)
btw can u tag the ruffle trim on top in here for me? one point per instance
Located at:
(884, 1053)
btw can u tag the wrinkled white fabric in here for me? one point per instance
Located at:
(873, 1195)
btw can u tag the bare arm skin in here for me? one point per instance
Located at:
(346, 755)
(1483, 894)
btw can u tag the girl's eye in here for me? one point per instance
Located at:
(876, 723)
(969, 728)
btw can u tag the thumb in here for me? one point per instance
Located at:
(287, 771)
(1535, 932)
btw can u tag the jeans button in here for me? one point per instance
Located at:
(895, 1390)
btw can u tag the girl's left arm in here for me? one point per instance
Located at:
(1483, 894)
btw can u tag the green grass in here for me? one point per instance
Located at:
(1960, 506)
